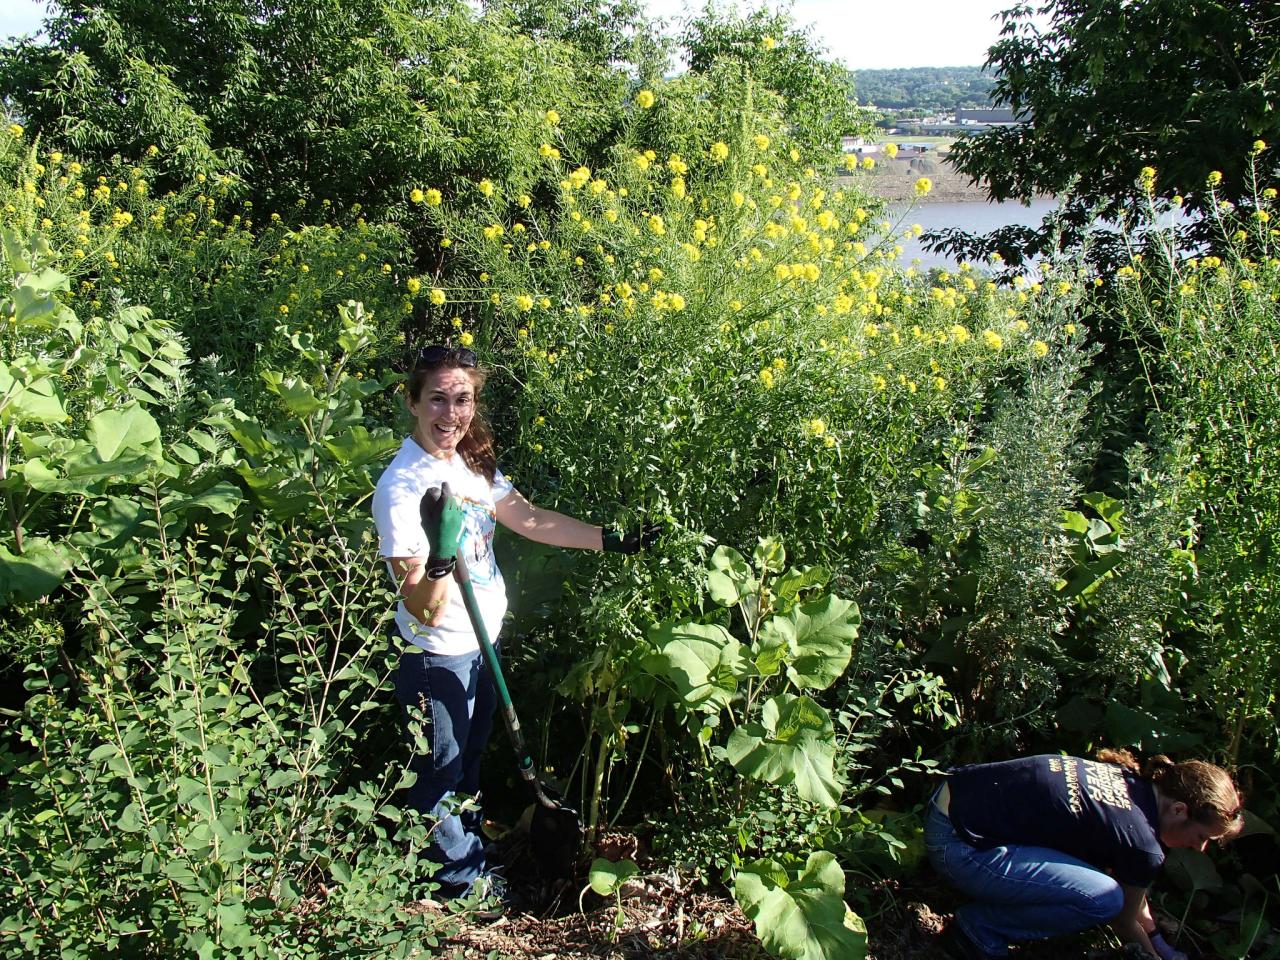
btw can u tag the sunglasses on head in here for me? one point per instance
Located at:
(440, 355)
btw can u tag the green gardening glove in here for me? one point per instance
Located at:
(442, 516)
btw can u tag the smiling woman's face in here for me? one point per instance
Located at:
(443, 410)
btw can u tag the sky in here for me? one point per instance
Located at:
(864, 34)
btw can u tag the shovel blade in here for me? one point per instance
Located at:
(555, 839)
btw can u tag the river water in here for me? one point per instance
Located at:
(973, 216)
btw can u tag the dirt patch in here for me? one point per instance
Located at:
(661, 920)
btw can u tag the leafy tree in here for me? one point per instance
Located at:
(1112, 86)
(786, 61)
(610, 32)
(923, 88)
(342, 100)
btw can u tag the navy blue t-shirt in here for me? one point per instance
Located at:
(1100, 813)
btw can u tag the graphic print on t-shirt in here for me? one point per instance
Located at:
(1104, 782)
(478, 526)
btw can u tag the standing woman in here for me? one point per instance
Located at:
(441, 677)
(1051, 844)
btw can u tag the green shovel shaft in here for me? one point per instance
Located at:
(524, 759)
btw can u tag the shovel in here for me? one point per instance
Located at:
(555, 833)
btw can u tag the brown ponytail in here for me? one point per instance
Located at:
(476, 445)
(1207, 790)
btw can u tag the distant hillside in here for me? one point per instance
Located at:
(929, 89)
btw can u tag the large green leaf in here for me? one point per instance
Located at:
(794, 581)
(81, 471)
(115, 519)
(702, 660)
(357, 446)
(794, 744)
(805, 917)
(729, 579)
(822, 641)
(34, 574)
(297, 395)
(606, 876)
(38, 399)
(113, 432)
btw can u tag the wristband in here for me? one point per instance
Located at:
(438, 569)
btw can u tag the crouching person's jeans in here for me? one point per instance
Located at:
(455, 698)
(1020, 892)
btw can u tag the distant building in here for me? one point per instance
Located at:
(987, 117)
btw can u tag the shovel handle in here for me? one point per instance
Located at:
(524, 760)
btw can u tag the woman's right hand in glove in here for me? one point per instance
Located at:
(442, 519)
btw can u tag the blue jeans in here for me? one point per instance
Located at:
(1020, 892)
(456, 698)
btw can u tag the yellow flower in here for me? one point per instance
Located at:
(1069, 329)
(466, 339)
(939, 383)
(1261, 216)
(1039, 348)
(524, 200)
(768, 42)
(890, 150)
(1147, 178)
(579, 178)
(416, 195)
(761, 141)
(779, 363)
(434, 197)
(641, 161)
(675, 301)
(656, 225)
(958, 333)
(678, 187)
(992, 339)
(16, 130)
(816, 427)
(1269, 193)
(413, 284)
(923, 186)
(524, 302)
(1259, 146)
(553, 118)
(485, 187)
(766, 378)
(738, 198)
(851, 161)
(1214, 178)
(644, 99)
(868, 163)
(719, 151)
(677, 165)
(283, 308)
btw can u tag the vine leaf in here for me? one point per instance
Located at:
(804, 917)
(729, 579)
(702, 660)
(795, 744)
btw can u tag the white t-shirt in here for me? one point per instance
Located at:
(395, 512)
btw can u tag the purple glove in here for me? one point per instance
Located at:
(1164, 950)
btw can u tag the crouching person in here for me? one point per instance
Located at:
(1049, 845)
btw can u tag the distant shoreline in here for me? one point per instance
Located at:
(895, 180)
